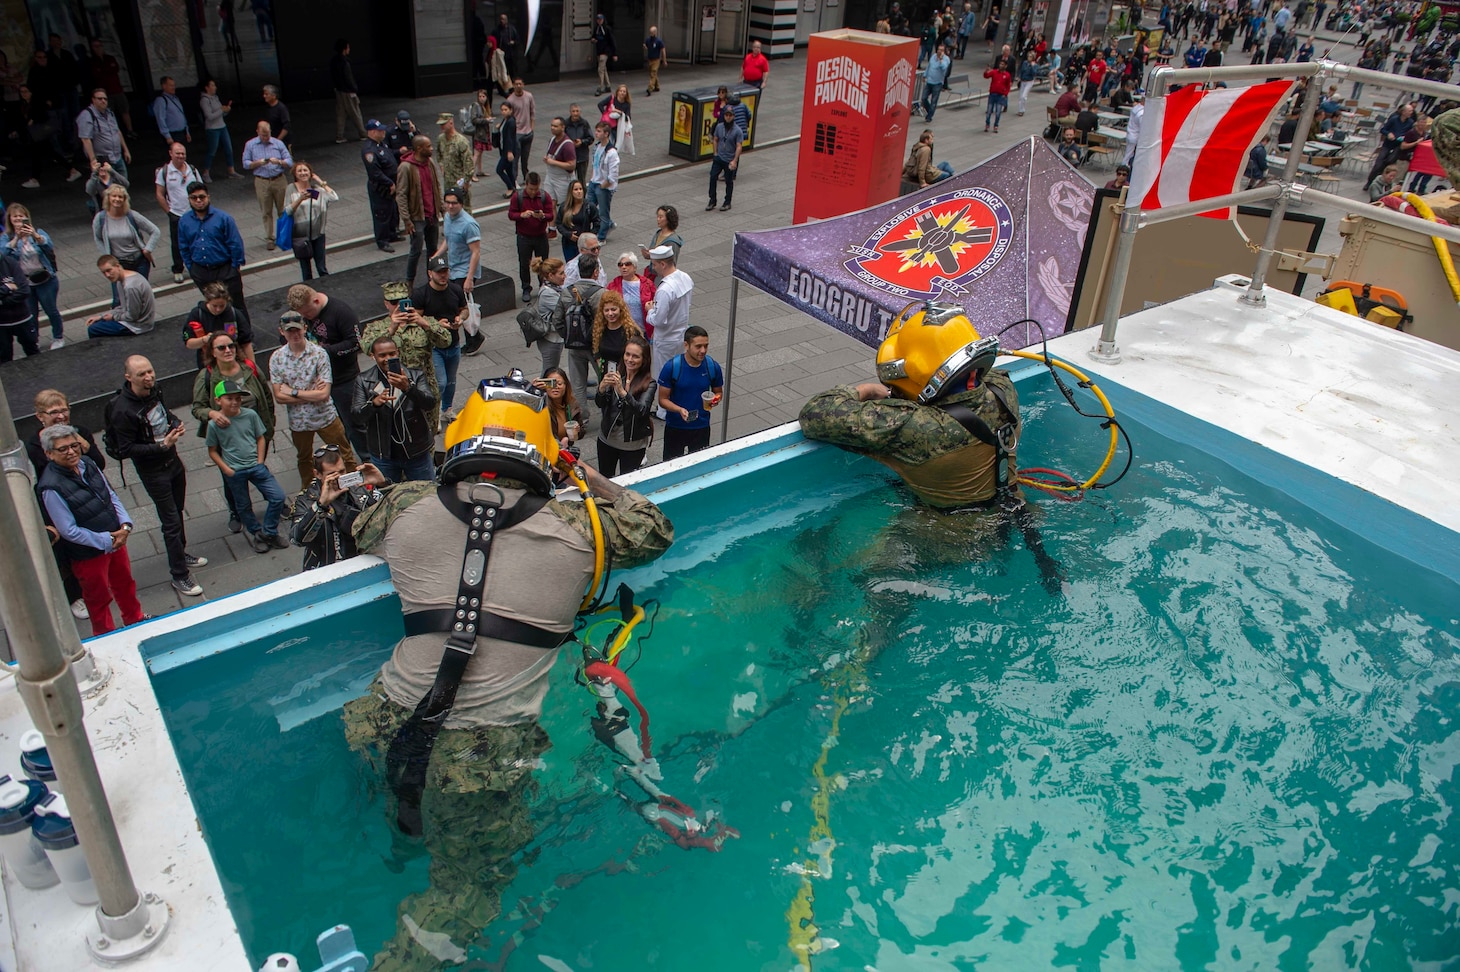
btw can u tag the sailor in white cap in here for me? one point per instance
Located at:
(669, 310)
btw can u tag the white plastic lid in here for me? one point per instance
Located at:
(31, 741)
(53, 806)
(12, 794)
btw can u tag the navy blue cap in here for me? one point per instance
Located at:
(54, 832)
(17, 817)
(374, 125)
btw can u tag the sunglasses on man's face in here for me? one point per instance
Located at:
(198, 195)
(329, 450)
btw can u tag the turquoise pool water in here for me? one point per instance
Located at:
(1226, 743)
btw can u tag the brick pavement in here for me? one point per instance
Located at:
(782, 357)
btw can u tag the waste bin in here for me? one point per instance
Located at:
(692, 121)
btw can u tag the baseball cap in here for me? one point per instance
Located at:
(291, 319)
(374, 124)
(438, 263)
(402, 115)
(229, 386)
(445, 117)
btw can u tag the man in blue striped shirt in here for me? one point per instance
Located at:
(167, 109)
(212, 248)
(269, 161)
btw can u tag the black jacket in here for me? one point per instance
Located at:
(399, 430)
(131, 433)
(14, 293)
(631, 411)
(324, 531)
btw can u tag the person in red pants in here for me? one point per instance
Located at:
(92, 528)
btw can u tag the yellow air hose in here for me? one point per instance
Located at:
(1442, 248)
(1104, 403)
(598, 553)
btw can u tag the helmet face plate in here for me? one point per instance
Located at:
(505, 429)
(929, 350)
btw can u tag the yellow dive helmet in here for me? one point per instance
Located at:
(505, 429)
(930, 353)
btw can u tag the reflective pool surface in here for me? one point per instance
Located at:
(1224, 742)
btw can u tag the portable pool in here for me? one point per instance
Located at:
(1221, 740)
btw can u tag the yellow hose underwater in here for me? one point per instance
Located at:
(1104, 403)
(1442, 248)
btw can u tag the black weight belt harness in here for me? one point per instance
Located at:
(1004, 439)
(410, 750)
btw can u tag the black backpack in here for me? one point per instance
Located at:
(109, 438)
(578, 335)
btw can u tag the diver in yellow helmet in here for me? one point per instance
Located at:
(940, 415)
(451, 721)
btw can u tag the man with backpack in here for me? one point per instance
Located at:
(573, 318)
(690, 384)
(139, 427)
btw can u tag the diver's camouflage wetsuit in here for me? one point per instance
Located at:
(940, 460)
(475, 806)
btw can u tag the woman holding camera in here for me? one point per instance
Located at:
(563, 407)
(33, 250)
(307, 200)
(628, 396)
(128, 236)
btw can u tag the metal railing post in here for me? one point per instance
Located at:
(127, 923)
(729, 359)
(1254, 295)
(1106, 350)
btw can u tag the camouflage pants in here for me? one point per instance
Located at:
(476, 815)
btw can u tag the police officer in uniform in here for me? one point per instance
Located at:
(455, 732)
(380, 168)
(400, 137)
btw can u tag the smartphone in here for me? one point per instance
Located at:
(314, 194)
(613, 367)
(406, 306)
(351, 479)
(394, 367)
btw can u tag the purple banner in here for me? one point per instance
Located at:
(1003, 239)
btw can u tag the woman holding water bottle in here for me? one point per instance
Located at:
(627, 393)
(307, 200)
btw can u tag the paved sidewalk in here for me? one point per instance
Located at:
(782, 357)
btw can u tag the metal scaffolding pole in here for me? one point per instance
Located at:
(1275, 218)
(128, 924)
(729, 360)
(1131, 221)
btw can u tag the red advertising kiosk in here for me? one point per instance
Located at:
(854, 121)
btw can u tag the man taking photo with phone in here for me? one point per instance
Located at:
(392, 407)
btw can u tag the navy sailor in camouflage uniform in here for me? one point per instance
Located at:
(940, 417)
(948, 424)
(473, 811)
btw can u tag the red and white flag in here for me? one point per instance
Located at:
(1194, 143)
